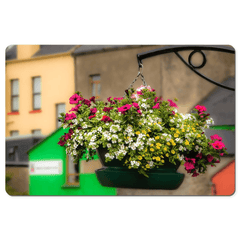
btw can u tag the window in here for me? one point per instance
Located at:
(36, 132)
(60, 108)
(95, 81)
(14, 133)
(13, 154)
(36, 93)
(14, 95)
(72, 171)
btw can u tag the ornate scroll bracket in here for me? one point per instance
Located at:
(195, 49)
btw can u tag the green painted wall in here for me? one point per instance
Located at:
(50, 185)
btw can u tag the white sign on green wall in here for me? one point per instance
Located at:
(46, 167)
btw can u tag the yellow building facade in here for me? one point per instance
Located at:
(54, 73)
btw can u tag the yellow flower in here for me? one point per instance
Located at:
(186, 142)
(173, 152)
(172, 129)
(176, 135)
(157, 158)
(137, 132)
(139, 157)
(147, 166)
(129, 167)
(154, 123)
(146, 150)
(168, 143)
(196, 124)
(198, 136)
(177, 132)
(148, 135)
(167, 155)
(162, 161)
(139, 123)
(157, 137)
(149, 130)
(152, 149)
(157, 147)
(159, 122)
(193, 144)
(151, 145)
(183, 130)
(143, 131)
(165, 149)
(153, 157)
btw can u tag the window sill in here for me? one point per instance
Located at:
(13, 113)
(70, 186)
(36, 111)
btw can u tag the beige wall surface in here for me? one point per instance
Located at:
(166, 73)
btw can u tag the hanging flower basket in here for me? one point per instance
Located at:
(140, 138)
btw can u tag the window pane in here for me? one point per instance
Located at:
(37, 85)
(99, 90)
(36, 132)
(14, 133)
(96, 77)
(15, 87)
(60, 109)
(15, 104)
(37, 101)
(93, 89)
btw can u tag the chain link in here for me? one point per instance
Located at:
(140, 73)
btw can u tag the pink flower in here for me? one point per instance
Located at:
(75, 108)
(93, 110)
(92, 99)
(217, 161)
(155, 99)
(221, 154)
(218, 145)
(61, 143)
(119, 99)
(70, 116)
(209, 158)
(111, 101)
(67, 136)
(139, 92)
(190, 159)
(92, 116)
(87, 102)
(139, 111)
(215, 136)
(135, 105)
(189, 165)
(106, 119)
(199, 155)
(70, 131)
(156, 106)
(195, 174)
(107, 109)
(201, 108)
(74, 99)
(124, 108)
(172, 104)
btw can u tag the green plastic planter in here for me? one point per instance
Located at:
(114, 174)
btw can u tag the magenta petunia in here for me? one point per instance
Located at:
(135, 105)
(118, 99)
(107, 109)
(215, 136)
(156, 106)
(195, 174)
(61, 143)
(209, 158)
(199, 155)
(124, 108)
(201, 108)
(111, 101)
(75, 108)
(172, 104)
(70, 116)
(75, 98)
(155, 99)
(218, 145)
(92, 116)
(93, 110)
(139, 93)
(221, 154)
(190, 159)
(67, 136)
(189, 165)
(106, 119)
(139, 111)
(87, 102)
(92, 99)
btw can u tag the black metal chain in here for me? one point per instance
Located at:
(140, 74)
